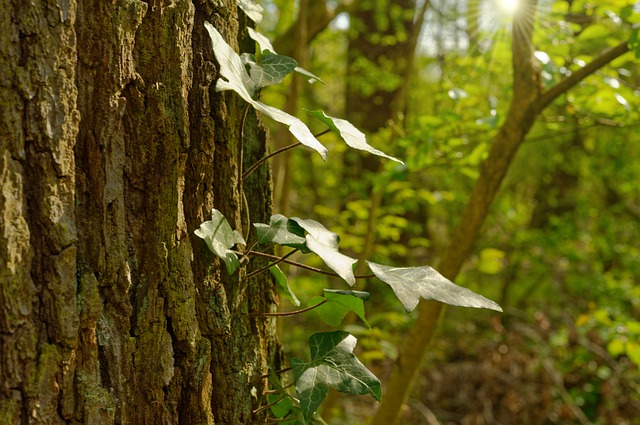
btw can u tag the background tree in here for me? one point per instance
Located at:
(531, 231)
(115, 148)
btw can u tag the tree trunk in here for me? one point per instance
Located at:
(115, 148)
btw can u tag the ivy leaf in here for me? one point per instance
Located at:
(338, 304)
(334, 365)
(411, 283)
(271, 69)
(220, 237)
(325, 243)
(280, 407)
(265, 46)
(283, 284)
(349, 133)
(251, 9)
(236, 78)
(282, 231)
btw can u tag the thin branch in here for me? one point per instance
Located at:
(268, 266)
(266, 406)
(563, 86)
(274, 153)
(304, 266)
(245, 256)
(266, 157)
(277, 372)
(290, 313)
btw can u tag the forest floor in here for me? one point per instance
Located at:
(518, 371)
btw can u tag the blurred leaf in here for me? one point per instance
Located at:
(616, 347)
(594, 32)
(219, 238)
(334, 365)
(633, 352)
(411, 283)
(491, 260)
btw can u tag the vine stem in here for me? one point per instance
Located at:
(303, 266)
(274, 153)
(268, 266)
(278, 372)
(245, 203)
(290, 313)
(266, 406)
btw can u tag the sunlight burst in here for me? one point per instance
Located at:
(508, 7)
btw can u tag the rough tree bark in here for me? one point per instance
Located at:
(115, 148)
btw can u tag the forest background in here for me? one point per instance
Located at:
(432, 83)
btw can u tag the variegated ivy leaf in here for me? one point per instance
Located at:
(282, 231)
(325, 243)
(219, 238)
(265, 45)
(334, 365)
(271, 69)
(251, 9)
(235, 77)
(349, 133)
(411, 283)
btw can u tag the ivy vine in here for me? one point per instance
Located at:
(332, 363)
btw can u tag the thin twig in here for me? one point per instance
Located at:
(277, 372)
(266, 157)
(266, 406)
(245, 256)
(277, 152)
(268, 266)
(290, 313)
(304, 266)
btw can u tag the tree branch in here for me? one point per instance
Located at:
(565, 85)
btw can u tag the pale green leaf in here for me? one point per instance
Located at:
(283, 284)
(334, 365)
(411, 283)
(349, 133)
(338, 304)
(235, 77)
(219, 238)
(325, 244)
(251, 9)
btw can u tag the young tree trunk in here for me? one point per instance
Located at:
(115, 147)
